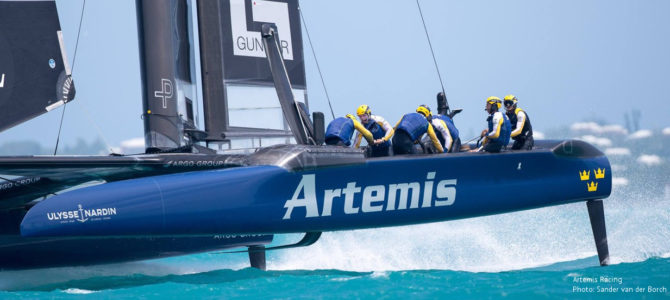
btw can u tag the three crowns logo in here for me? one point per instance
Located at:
(585, 175)
(592, 187)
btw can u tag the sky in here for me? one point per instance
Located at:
(566, 61)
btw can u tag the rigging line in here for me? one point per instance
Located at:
(317, 62)
(74, 61)
(76, 45)
(62, 116)
(432, 52)
(90, 118)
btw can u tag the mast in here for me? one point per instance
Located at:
(240, 106)
(165, 71)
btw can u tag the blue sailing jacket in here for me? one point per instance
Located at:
(414, 124)
(450, 125)
(341, 129)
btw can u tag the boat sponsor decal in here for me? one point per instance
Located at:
(250, 43)
(592, 185)
(356, 198)
(166, 91)
(52, 63)
(82, 215)
(195, 163)
(17, 183)
(2, 81)
(235, 236)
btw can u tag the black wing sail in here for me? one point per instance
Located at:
(34, 75)
(232, 52)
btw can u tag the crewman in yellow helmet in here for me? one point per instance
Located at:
(496, 136)
(341, 129)
(446, 132)
(411, 128)
(522, 131)
(380, 129)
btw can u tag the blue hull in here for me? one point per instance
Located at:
(29, 253)
(268, 199)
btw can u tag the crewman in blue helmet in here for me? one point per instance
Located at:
(446, 132)
(380, 129)
(497, 135)
(411, 128)
(341, 129)
(522, 131)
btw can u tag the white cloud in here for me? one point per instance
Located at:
(134, 145)
(640, 134)
(602, 142)
(649, 160)
(595, 128)
(666, 130)
(619, 181)
(613, 129)
(617, 151)
(538, 135)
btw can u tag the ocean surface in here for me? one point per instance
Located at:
(542, 253)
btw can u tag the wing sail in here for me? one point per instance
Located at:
(34, 75)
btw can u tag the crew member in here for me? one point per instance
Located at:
(411, 128)
(497, 135)
(522, 131)
(380, 129)
(341, 129)
(448, 136)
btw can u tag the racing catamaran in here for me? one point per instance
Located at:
(248, 181)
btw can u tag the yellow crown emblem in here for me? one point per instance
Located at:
(592, 187)
(599, 173)
(585, 175)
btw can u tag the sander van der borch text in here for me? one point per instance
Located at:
(610, 284)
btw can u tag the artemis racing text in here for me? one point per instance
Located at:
(374, 198)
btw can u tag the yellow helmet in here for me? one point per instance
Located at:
(363, 110)
(424, 110)
(510, 100)
(494, 100)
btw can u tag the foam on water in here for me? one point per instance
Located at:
(78, 291)
(636, 224)
(497, 243)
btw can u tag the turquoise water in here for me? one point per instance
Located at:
(623, 280)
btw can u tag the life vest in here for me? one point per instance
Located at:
(377, 131)
(414, 124)
(341, 129)
(453, 131)
(505, 129)
(527, 127)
